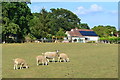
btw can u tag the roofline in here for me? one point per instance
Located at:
(91, 36)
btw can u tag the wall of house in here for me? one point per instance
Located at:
(68, 36)
(73, 39)
(78, 39)
(83, 39)
(92, 38)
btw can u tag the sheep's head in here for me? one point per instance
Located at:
(26, 65)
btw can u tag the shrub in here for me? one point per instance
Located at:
(110, 39)
(29, 38)
(91, 42)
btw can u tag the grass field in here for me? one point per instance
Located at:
(86, 60)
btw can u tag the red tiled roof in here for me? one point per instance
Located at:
(75, 32)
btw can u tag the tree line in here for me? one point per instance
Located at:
(19, 24)
(107, 34)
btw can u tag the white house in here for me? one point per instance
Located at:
(82, 35)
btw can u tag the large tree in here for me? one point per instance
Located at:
(63, 18)
(16, 16)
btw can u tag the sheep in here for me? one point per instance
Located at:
(51, 55)
(41, 59)
(21, 62)
(63, 57)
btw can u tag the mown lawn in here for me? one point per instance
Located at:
(86, 60)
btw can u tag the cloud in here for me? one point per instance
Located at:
(114, 12)
(81, 10)
(93, 9)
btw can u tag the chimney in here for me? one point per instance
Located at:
(76, 28)
(71, 29)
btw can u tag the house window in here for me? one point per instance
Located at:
(86, 38)
(75, 40)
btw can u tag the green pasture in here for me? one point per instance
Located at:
(87, 60)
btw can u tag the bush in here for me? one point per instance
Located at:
(10, 40)
(91, 42)
(110, 39)
(29, 38)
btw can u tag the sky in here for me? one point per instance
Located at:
(92, 13)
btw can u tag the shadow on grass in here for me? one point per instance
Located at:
(42, 64)
(22, 68)
(58, 61)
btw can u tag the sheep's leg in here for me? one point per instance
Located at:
(46, 63)
(14, 66)
(58, 59)
(68, 59)
(64, 60)
(48, 60)
(53, 60)
(37, 62)
(21, 66)
(43, 63)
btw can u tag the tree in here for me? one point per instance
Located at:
(38, 31)
(60, 33)
(104, 31)
(10, 30)
(62, 18)
(18, 14)
(110, 30)
(119, 33)
(38, 24)
(51, 22)
(84, 26)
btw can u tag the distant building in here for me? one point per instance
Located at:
(82, 35)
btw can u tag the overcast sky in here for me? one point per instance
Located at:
(92, 13)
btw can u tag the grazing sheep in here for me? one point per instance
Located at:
(63, 57)
(20, 62)
(41, 59)
(51, 55)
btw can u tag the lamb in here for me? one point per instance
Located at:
(63, 57)
(21, 62)
(51, 55)
(41, 59)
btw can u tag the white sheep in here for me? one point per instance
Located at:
(51, 55)
(21, 62)
(63, 57)
(41, 59)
